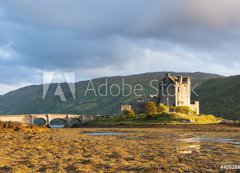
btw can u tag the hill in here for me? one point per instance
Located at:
(29, 99)
(221, 97)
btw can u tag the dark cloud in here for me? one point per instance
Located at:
(99, 38)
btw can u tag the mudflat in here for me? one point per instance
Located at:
(166, 148)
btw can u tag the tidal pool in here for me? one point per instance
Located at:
(210, 139)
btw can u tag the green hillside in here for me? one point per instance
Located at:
(29, 99)
(221, 97)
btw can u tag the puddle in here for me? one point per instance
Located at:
(104, 133)
(187, 148)
(210, 139)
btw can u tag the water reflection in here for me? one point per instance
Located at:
(104, 133)
(210, 139)
(188, 149)
(185, 148)
(57, 125)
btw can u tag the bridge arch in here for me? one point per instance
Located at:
(75, 122)
(40, 121)
(61, 122)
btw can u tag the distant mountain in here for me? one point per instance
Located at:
(30, 100)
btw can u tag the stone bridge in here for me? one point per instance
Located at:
(48, 118)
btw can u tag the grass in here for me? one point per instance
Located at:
(172, 118)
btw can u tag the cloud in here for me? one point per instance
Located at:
(101, 38)
(5, 52)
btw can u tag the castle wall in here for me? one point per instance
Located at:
(167, 94)
(195, 107)
(138, 105)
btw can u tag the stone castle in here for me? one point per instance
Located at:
(173, 91)
(176, 91)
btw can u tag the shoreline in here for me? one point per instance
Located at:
(198, 127)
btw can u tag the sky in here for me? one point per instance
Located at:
(96, 38)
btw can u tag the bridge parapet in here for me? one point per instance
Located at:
(26, 119)
(30, 118)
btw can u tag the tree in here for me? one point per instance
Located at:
(184, 110)
(150, 109)
(128, 114)
(163, 108)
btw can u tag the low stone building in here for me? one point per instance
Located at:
(138, 104)
(125, 107)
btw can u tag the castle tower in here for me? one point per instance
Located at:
(176, 91)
